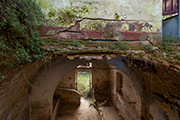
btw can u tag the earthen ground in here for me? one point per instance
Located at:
(84, 112)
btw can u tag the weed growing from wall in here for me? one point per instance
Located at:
(169, 44)
(148, 48)
(124, 46)
(120, 46)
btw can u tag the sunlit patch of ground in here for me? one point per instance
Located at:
(84, 112)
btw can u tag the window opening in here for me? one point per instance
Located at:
(119, 84)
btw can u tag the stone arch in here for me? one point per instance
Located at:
(47, 79)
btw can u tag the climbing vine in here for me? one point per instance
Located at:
(19, 32)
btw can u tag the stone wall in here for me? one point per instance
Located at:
(14, 92)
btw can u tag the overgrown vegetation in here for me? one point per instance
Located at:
(75, 44)
(124, 46)
(65, 16)
(170, 39)
(83, 83)
(120, 46)
(148, 48)
(19, 32)
(169, 44)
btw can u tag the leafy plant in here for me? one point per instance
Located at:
(163, 46)
(120, 46)
(27, 79)
(148, 48)
(170, 39)
(75, 44)
(178, 56)
(124, 46)
(102, 45)
(114, 46)
(19, 32)
(1, 77)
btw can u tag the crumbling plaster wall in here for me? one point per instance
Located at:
(100, 81)
(158, 91)
(142, 20)
(150, 10)
(128, 99)
(68, 81)
(161, 91)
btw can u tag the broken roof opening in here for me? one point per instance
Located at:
(86, 65)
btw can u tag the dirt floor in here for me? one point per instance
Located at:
(84, 112)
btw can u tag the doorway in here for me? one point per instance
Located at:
(83, 82)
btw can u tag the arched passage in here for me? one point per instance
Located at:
(47, 79)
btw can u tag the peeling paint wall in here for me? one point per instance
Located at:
(150, 10)
(95, 19)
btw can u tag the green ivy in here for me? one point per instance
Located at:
(102, 45)
(19, 32)
(168, 44)
(148, 48)
(120, 46)
(75, 44)
(124, 46)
